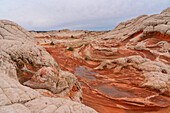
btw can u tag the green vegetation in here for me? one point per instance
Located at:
(72, 36)
(52, 43)
(69, 49)
(86, 58)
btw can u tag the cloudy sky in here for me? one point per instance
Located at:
(76, 14)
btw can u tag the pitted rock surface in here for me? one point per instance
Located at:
(21, 62)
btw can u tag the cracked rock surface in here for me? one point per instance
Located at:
(30, 79)
(126, 70)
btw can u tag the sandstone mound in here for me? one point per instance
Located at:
(22, 62)
(127, 68)
(142, 43)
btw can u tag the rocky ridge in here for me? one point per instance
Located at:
(22, 64)
(126, 69)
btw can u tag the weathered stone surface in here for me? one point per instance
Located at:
(124, 70)
(59, 105)
(22, 62)
(157, 80)
(14, 108)
(59, 83)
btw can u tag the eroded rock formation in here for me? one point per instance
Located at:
(22, 62)
(124, 70)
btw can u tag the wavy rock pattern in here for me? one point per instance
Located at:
(22, 62)
(124, 70)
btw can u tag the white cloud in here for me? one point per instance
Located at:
(80, 14)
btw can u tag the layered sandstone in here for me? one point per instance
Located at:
(30, 79)
(124, 70)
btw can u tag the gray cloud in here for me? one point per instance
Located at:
(76, 14)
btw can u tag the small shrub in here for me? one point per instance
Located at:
(69, 49)
(86, 58)
(52, 43)
(72, 36)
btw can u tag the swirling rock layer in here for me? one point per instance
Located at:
(125, 70)
(22, 64)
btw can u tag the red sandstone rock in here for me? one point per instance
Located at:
(125, 70)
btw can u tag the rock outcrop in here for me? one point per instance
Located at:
(123, 70)
(126, 69)
(30, 79)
